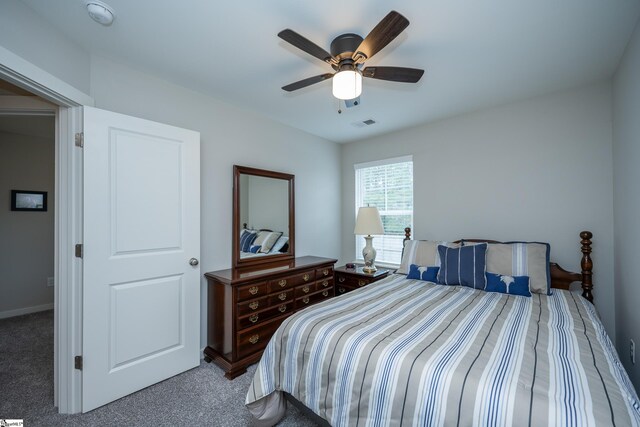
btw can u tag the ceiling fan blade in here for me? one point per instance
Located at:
(394, 74)
(302, 43)
(383, 33)
(307, 82)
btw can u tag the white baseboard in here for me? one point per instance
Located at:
(26, 310)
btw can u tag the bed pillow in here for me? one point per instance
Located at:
(430, 274)
(246, 239)
(267, 239)
(421, 252)
(279, 244)
(522, 259)
(512, 285)
(463, 266)
(254, 249)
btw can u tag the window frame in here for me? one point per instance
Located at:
(358, 202)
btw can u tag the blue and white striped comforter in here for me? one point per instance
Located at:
(408, 352)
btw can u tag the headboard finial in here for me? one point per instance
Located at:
(587, 265)
(407, 233)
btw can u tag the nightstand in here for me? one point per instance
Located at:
(348, 279)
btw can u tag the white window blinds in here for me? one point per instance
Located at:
(387, 185)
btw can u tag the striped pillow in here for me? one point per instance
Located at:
(267, 239)
(246, 239)
(463, 266)
(421, 252)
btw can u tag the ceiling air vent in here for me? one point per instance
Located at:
(368, 122)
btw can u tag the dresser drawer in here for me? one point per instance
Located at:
(281, 296)
(305, 301)
(252, 291)
(261, 316)
(306, 289)
(324, 283)
(342, 289)
(255, 339)
(345, 280)
(291, 281)
(325, 272)
(253, 306)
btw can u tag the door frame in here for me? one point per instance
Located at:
(68, 217)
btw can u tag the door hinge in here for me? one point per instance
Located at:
(79, 250)
(80, 139)
(77, 363)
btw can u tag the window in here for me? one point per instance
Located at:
(387, 185)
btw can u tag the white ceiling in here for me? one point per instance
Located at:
(475, 53)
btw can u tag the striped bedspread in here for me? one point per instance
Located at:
(408, 352)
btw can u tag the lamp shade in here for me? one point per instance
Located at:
(368, 222)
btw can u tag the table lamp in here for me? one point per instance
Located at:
(368, 222)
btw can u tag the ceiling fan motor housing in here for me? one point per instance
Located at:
(343, 46)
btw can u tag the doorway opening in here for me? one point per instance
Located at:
(27, 247)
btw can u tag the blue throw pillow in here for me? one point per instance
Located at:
(430, 274)
(246, 239)
(254, 249)
(463, 266)
(512, 285)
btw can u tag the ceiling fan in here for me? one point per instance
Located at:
(348, 54)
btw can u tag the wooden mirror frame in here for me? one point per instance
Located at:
(237, 262)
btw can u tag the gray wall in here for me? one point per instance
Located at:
(26, 238)
(28, 35)
(539, 169)
(626, 200)
(233, 136)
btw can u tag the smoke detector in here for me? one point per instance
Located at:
(100, 12)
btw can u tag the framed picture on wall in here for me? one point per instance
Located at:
(22, 200)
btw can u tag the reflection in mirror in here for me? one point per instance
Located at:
(263, 216)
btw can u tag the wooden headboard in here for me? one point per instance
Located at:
(560, 278)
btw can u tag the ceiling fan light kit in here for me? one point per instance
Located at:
(348, 54)
(347, 84)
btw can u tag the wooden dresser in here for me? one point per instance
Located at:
(245, 307)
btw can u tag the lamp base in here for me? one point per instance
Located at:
(371, 269)
(369, 256)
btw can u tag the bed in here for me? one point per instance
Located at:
(411, 352)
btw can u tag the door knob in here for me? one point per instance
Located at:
(194, 261)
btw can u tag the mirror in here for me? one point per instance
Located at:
(263, 216)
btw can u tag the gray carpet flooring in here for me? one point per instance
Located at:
(199, 397)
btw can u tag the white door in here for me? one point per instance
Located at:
(141, 295)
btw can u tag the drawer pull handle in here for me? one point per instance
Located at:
(283, 308)
(341, 279)
(282, 296)
(282, 283)
(325, 293)
(325, 272)
(253, 318)
(254, 338)
(254, 305)
(342, 290)
(306, 277)
(361, 282)
(253, 290)
(325, 283)
(305, 289)
(305, 300)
